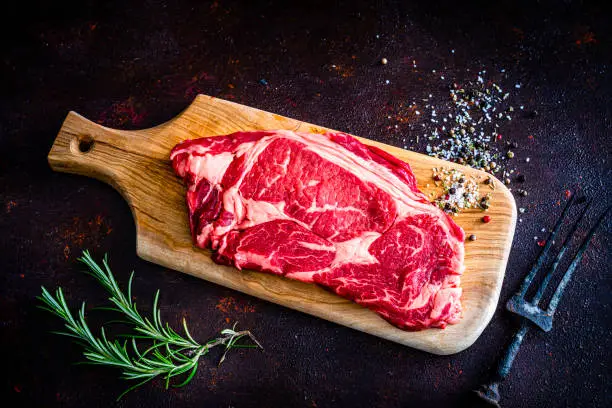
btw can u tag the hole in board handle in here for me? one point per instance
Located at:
(85, 143)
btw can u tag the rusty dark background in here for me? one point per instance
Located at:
(132, 65)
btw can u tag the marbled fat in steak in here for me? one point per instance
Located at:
(325, 209)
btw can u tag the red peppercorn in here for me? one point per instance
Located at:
(486, 219)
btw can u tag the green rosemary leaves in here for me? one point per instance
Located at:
(166, 352)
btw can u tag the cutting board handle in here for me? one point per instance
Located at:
(86, 148)
(116, 157)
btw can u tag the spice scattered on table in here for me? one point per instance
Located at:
(467, 130)
(522, 192)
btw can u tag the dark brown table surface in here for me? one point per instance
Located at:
(133, 65)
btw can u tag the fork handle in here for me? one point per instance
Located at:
(489, 393)
(506, 362)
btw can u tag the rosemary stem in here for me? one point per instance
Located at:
(169, 354)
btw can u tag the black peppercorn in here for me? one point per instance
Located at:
(461, 180)
(472, 237)
(452, 190)
(447, 207)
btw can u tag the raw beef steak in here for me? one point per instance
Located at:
(325, 209)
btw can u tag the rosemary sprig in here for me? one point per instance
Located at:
(168, 355)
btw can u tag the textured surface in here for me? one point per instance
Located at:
(136, 65)
(326, 209)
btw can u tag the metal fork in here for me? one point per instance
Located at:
(530, 311)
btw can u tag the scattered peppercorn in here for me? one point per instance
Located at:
(520, 178)
(467, 130)
(472, 237)
(507, 181)
(524, 193)
(459, 191)
(486, 219)
(384, 61)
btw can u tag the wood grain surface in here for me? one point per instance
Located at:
(136, 163)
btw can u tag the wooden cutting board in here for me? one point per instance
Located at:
(136, 164)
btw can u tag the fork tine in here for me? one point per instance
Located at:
(554, 301)
(562, 251)
(544, 254)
